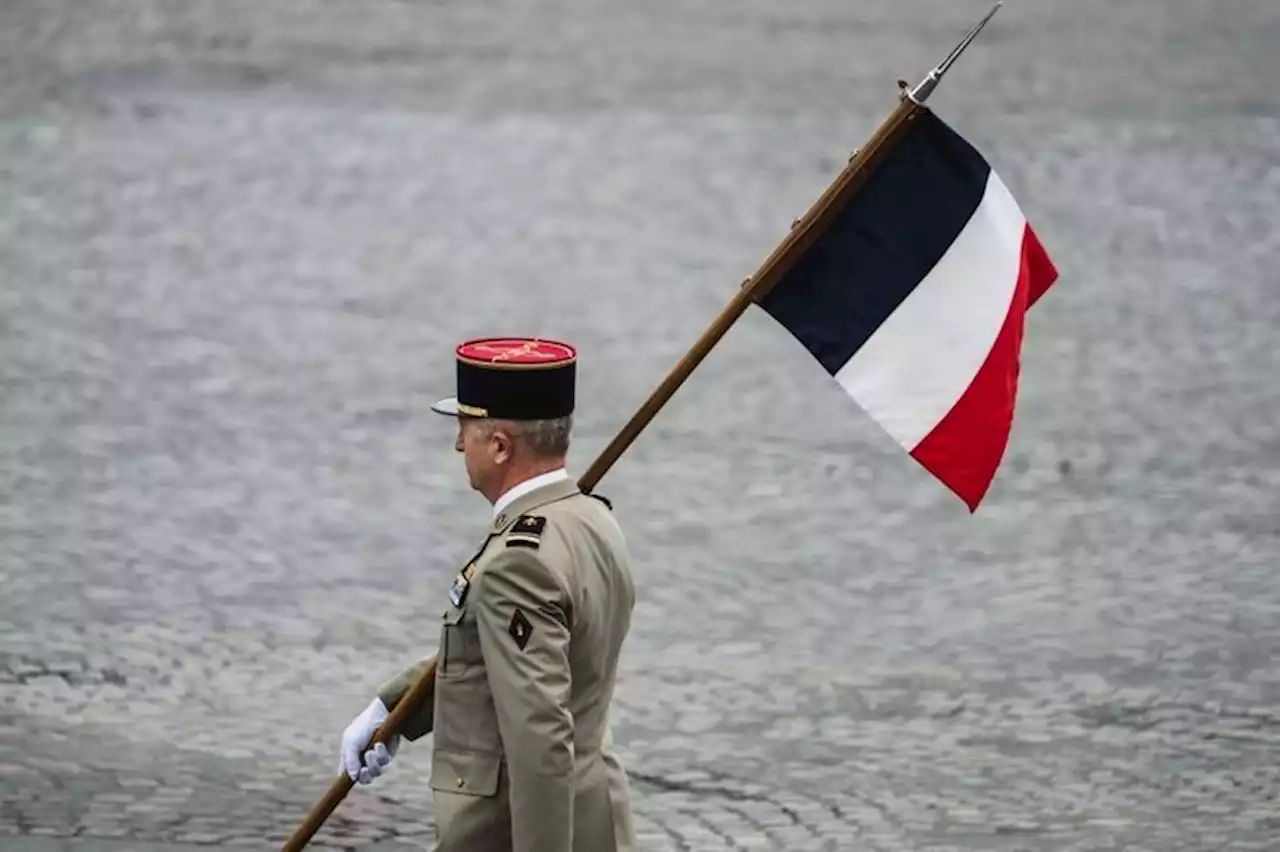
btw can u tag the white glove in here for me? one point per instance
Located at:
(357, 736)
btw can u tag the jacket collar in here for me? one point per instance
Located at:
(540, 495)
(528, 486)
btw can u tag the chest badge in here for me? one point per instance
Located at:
(461, 584)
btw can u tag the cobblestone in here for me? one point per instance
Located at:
(240, 239)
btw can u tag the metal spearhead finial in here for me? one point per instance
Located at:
(925, 87)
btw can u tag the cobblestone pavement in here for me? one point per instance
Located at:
(238, 239)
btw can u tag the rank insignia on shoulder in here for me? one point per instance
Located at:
(527, 531)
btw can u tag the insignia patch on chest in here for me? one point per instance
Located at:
(520, 629)
(527, 531)
(458, 591)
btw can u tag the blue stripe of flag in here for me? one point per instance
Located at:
(882, 244)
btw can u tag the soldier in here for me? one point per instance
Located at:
(529, 645)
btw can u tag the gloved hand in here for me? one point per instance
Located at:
(357, 736)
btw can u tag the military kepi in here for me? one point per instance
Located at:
(513, 378)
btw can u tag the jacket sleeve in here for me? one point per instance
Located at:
(420, 721)
(523, 615)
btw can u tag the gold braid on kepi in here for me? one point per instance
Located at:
(513, 378)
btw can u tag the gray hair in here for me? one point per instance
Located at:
(543, 437)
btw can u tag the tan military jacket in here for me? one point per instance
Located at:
(527, 662)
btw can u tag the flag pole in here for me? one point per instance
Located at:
(804, 231)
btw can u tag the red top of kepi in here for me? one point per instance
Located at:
(513, 378)
(516, 352)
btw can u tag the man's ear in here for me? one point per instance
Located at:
(506, 445)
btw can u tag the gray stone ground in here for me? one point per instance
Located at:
(238, 239)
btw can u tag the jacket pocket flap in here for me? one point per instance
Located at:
(474, 774)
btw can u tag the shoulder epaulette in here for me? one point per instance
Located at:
(605, 500)
(527, 531)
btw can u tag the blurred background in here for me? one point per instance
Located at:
(239, 240)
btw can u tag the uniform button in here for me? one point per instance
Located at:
(461, 783)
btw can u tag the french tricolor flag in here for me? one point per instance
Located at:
(913, 299)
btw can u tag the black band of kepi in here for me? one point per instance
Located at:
(515, 394)
(516, 378)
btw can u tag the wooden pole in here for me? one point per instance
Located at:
(804, 231)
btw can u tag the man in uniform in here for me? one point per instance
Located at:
(529, 645)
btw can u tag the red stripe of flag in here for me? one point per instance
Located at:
(966, 447)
